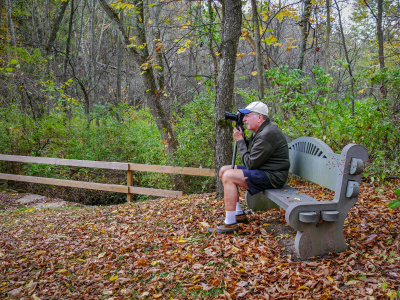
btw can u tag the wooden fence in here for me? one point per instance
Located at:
(128, 167)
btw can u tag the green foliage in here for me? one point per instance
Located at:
(27, 60)
(305, 105)
(396, 203)
(301, 105)
(211, 29)
(296, 97)
(194, 125)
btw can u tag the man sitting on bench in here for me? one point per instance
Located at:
(265, 155)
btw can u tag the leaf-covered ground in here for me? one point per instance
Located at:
(159, 249)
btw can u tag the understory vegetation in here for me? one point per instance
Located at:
(301, 105)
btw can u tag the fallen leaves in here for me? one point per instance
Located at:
(159, 249)
(263, 260)
(40, 252)
(181, 240)
(62, 271)
(113, 278)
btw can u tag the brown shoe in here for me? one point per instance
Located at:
(224, 228)
(241, 218)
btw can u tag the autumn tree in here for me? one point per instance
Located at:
(140, 55)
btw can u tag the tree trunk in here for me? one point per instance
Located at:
(119, 63)
(328, 34)
(34, 25)
(346, 53)
(155, 12)
(56, 26)
(1, 9)
(225, 85)
(140, 55)
(379, 32)
(257, 42)
(93, 51)
(155, 39)
(46, 20)
(381, 54)
(10, 23)
(67, 50)
(212, 52)
(120, 53)
(304, 33)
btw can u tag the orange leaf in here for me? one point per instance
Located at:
(159, 46)
(39, 252)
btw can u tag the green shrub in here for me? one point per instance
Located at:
(194, 127)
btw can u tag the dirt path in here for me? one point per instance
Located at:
(11, 200)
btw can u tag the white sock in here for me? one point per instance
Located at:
(230, 217)
(239, 210)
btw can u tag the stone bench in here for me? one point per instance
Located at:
(319, 224)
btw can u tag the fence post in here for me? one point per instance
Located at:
(129, 182)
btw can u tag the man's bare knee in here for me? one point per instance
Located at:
(226, 176)
(230, 175)
(223, 170)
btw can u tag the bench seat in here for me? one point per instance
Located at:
(287, 196)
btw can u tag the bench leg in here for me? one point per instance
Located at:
(320, 240)
(259, 202)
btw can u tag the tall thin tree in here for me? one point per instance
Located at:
(10, 23)
(379, 34)
(328, 34)
(56, 25)
(346, 53)
(225, 84)
(305, 28)
(257, 42)
(140, 56)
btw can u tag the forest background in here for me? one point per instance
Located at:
(149, 82)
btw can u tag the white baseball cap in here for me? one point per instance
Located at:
(257, 107)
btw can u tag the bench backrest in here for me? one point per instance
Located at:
(314, 160)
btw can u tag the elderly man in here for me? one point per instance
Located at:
(265, 156)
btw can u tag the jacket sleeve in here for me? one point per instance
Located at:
(260, 151)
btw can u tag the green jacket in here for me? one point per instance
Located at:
(267, 150)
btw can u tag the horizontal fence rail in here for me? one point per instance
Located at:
(128, 189)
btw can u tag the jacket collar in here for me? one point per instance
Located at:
(253, 134)
(266, 122)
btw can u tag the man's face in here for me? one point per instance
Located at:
(252, 121)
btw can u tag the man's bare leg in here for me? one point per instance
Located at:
(231, 179)
(239, 210)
